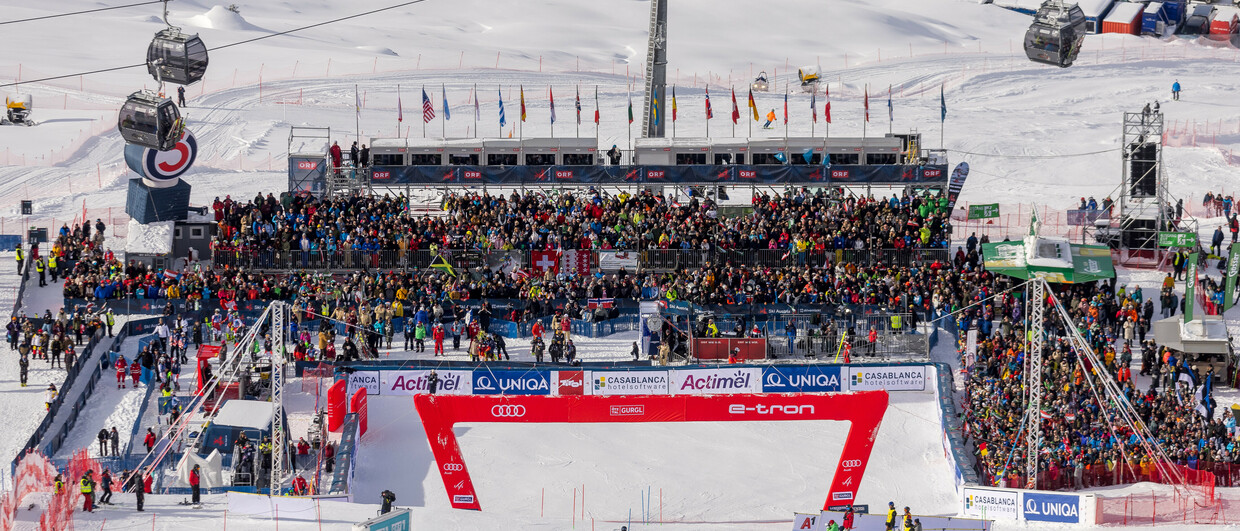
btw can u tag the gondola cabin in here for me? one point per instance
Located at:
(148, 120)
(175, 57)
(1056, 35)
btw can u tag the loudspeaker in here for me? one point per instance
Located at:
(1143, 170)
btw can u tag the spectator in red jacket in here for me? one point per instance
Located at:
(437, 335)
(135, 371)
(149, 440)
(193, 485)
(300, 487)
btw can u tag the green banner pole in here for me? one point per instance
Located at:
(1233, 270)
(1190, 287)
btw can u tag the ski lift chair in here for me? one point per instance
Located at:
(176, 57)
(150, 120)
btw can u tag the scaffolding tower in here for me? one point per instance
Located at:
(1146, 206)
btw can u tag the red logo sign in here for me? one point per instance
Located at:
(381, 175)
(563, 174)
(571, 383)
(626, 411)
(932, 173)
(839, 174)
(656, 174)
(472, 174)
(307, 164)
(747, 174)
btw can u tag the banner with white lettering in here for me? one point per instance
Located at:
(407, 382)
(970, 347)
(502, 382)
(716, 381)
(568, 383)
(614, 260)
(887, 377)
(628, 383)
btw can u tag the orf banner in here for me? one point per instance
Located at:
(716, 381)
(440, 413)
(531, 382)
(336, 405)
(417, 381)
(628, 383)
(357, 404)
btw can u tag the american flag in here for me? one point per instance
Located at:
(428, 110)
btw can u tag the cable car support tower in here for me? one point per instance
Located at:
(656, 73)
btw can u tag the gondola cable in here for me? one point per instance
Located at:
(238, 43)
(45, 17)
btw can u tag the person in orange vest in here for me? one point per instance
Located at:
(437, 335)
(537, 329)
(733, 356)
(873, 337)
(847, 353)
(770, 119)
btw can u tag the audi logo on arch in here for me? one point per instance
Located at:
(851, 463)
(507, 411)
(763, 409)
(453, 467)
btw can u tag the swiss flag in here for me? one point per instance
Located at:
(542, 261)
(577, 262)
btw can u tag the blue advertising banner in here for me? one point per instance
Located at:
(802, 379)
(532, 382)
(1046, 507)
(877, 173)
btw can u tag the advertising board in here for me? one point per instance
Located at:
(887, 377)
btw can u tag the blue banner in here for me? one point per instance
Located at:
(706, 174)
(1045, 507)
(801, 379)
(487, 382)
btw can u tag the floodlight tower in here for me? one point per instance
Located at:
(1033, 419)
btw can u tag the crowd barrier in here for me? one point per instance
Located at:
(87, 372)
(567, 260)
(1040, 507)
(810, 174)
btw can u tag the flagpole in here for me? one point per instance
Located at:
(865, 122)
(708, 115)
(577, 106)
(424, 111)
(399, 111)
(474, 95)
(786, 117)
(673, 111)
(891, 116)
(596, 114)
(443, 122)
(552, 106)
(357, 116)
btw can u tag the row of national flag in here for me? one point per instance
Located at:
(428, 109)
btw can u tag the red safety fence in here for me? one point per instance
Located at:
(59, 513)
(718, 348)
(312, 379)
(34, 473)
(1165, 508)
(1202, 481)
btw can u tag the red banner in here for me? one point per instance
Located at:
(357, 404)
(336, 398)
(717, 348)
(544, 260)
(440, 413)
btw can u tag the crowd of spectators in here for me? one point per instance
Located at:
(1083, 442)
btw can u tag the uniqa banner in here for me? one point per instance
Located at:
(440, 413)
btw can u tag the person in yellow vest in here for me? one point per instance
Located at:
(897, 322)
(21, 257)
(58, 484)
(88, 491)
(51, 265)
(42, 270)
(891, 516)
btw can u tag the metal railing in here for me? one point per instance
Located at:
(649, 260)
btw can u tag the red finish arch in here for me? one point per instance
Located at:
(441, 412)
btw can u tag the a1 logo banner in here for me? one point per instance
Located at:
(807, 522)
